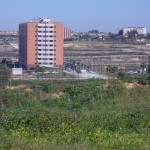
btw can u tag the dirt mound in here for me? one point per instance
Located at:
(56, 95)
(25, 87)
(106, 85)
(130, 86)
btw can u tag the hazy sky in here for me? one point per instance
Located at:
(79, 15)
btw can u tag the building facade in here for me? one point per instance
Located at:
(139, 30)
(8, 33)
(41, 43)
(67, 33)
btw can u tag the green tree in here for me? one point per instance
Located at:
(4, 75)
(40, 69)
(120, 32)
(75, 100)
(73, 66)
(78, 70)
(121, 72)
(148, 68)
(148, 37)
(94, 31)
(132, 33)
(143, 66)
(112, 69)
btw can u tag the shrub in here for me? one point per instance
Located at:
(4, 75)
(46, 87)
(116, 89)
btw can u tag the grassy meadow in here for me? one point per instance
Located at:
(70, 115)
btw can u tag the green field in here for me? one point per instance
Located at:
(67, 115)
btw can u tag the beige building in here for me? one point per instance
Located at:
(41, 43)
(67, 33)
(140, 30)
(8, 32)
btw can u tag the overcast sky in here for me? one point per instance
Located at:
(79, 15)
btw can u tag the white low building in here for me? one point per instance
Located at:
(139, 30)
(17, 71)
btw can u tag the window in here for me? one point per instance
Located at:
(45, 54)
(45, 35)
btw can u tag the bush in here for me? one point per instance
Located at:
(116, 89)
(144, 79)
(4, 75)
(85, 116)
(46, 87)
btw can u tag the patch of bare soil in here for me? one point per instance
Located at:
(106, 85)
(26, 88)
(130, 86)
(57, 95)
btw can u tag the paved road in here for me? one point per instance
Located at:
(15, 45)
(87, 75)
(75, 76)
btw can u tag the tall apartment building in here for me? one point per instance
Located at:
(140, 30)
(41, 43)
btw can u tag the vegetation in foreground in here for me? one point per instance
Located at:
(92, 114)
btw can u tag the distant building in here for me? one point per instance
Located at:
(8, 32)
(41, 43)
(67, 33)
(140, 30)
(17, 71)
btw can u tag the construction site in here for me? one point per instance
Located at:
(90, 55)
(101, 54)
(9, 48)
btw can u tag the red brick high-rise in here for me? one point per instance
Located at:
(41, 43)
